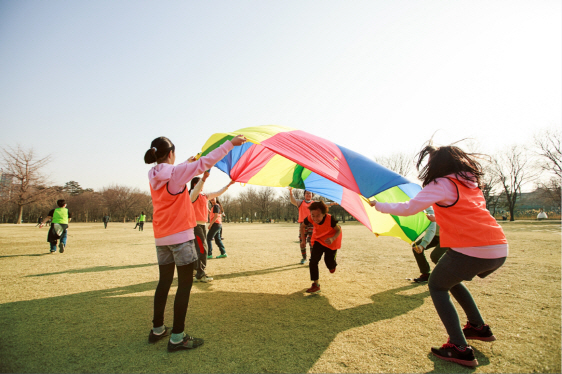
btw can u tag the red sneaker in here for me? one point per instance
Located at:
(333, 270)
(314, 289)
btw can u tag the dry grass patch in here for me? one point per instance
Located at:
(90, 309)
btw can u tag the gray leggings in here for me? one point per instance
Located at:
(448, 274)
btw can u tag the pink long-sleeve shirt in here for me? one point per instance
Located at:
(177, 176)
(443, 192)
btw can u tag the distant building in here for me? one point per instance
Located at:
(6, 184)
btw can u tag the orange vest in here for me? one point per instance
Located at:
(201, 207)
(219, 214)
(323, 232)
(467, 222)
(172, 213)
(303, 210)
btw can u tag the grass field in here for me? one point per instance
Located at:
(90, 308)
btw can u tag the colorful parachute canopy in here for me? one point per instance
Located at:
(278, 156)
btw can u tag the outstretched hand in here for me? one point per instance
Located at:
(231, 183)
(191, 159)
(205, 175)
(430, 217)
(239, 140)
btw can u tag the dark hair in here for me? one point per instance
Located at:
(318, 205)
(61, 202)
(194, 181)
(159, 150)
(447, 160)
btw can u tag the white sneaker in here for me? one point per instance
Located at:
(205, 279)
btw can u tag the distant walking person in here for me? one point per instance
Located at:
(105, 220)
(173, 221)
(39, 220)
(142, 219)
(59, 217)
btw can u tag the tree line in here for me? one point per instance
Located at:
(25, 193)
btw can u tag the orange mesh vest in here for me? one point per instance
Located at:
(219, 214)
(303, 210)
(172, 213)
(201, 208)
(467, 222)
(325, 231)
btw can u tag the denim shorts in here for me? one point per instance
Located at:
(181, 254)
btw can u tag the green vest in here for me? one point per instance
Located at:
(142, 218)
(60, 216)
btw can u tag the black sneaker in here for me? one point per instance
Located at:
(450, 352)
(61, 247)
(422, 278)
(188, 342)
(153, 338)
(478, 333)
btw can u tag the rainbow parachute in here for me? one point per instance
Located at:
(278, 156)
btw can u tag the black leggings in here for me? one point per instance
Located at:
(185, 281)
(316, 254)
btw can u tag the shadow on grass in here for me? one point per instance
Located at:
(275, 269)
(29, 255)
(93, 269)
(107, 330)
(442, 366)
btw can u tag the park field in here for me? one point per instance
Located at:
(89, 310)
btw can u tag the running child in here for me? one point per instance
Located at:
(59, 218)
(478, 247)
(326, 240)
(305, 232)
(173, 223)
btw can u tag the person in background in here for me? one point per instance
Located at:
(142, 219)
(215, 224)
(60, 218)
(429, 240)
(105, 220)
(200, 204)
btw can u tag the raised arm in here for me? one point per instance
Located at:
(293, 200)
(194, 194)
(219, 192)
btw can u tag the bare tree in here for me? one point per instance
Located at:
(547, 144)
(400, 162)
(264, 199)
(514, 169)
(123, 202)
(23, 182)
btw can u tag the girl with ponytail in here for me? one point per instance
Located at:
(173, 223)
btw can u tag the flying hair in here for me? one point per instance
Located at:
(446, 160)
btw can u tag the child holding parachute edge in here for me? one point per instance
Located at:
(451, 180)
(173, 223)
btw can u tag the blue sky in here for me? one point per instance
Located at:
(93, 82)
